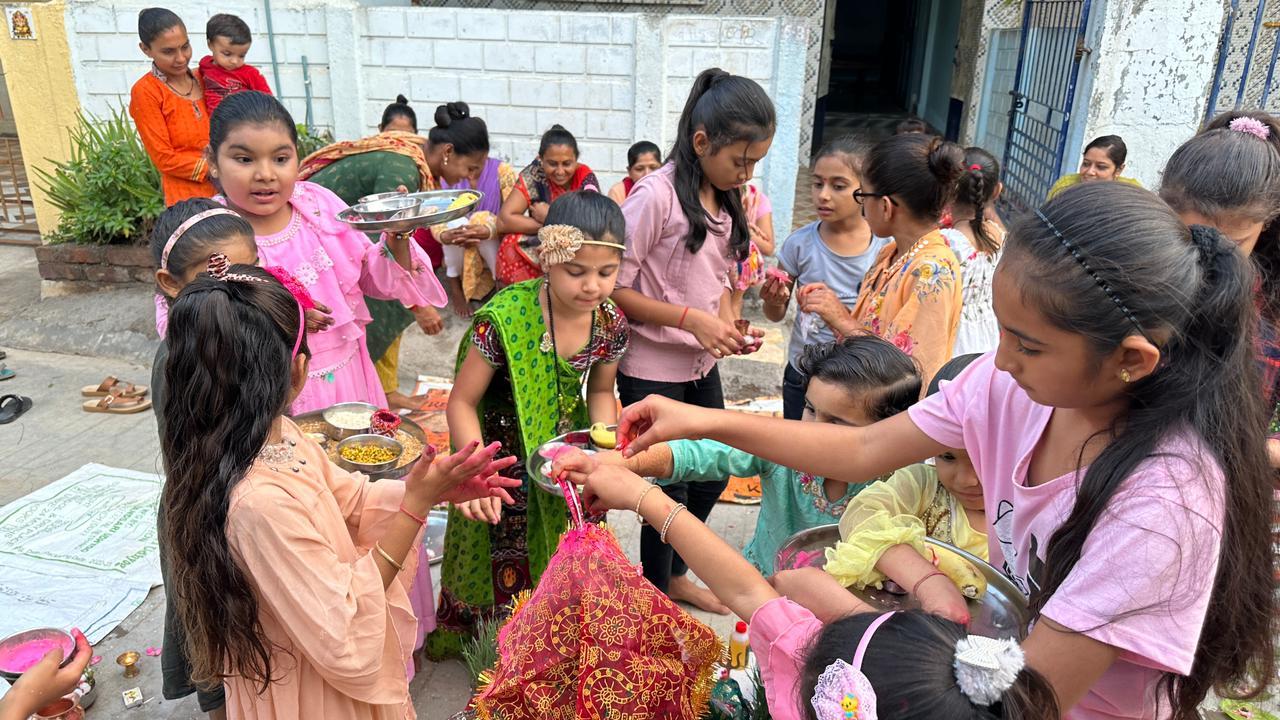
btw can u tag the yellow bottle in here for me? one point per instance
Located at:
(739, 647)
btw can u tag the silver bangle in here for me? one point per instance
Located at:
(639, 517)
(667, 525)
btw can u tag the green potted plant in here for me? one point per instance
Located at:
(108, 191)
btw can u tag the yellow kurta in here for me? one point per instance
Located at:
(899, 510)
(914, 304)
(341, 643)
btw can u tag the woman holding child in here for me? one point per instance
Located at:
(167, 106)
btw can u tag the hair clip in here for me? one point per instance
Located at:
(1250, 126)
(975, 166)
(559, 243)
(843, 691)
(218, 269)
(1084, 263)
(986, 667)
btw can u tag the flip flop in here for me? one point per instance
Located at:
(112, 386)
(6, 373)
(12, 407)
(117, 405)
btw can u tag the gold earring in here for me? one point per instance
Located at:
(1125, 377)
(446, 159)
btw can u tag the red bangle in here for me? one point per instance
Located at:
(417, 519)
(683, 315)
(920, 582)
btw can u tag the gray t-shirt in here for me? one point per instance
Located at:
(808, 259)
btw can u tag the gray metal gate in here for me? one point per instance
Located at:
(1245, 76)
(1049, 55)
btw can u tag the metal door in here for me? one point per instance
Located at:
(1245, 76)
(1050, 51)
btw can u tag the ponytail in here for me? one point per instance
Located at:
(228, 378)
(1146, 268)
(976, 189)
(729, 109)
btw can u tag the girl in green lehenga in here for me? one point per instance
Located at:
(520, 376)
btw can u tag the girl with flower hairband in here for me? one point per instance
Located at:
(520, 379)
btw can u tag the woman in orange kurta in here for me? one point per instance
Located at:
(290, 575)
(912, 295)
(167, 107)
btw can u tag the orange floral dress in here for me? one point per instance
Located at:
(175, 132)
(914, 302)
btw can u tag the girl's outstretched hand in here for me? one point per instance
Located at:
(469, 474)
(612, 487)
(45, 682)
(658, 419)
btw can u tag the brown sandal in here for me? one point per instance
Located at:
(112, 386)
(117, 405)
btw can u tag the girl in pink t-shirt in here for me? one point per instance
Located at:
(1117, 431)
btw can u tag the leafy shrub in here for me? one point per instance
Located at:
(311, 139)
(108, 191)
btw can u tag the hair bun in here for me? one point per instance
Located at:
(946, 160)
(402, 100)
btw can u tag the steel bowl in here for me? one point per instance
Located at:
(1000, 613)
(433, 538)
(386, 208)
(370, 469)
(428, 208)
(537, 462)
(380, 196)
(14, 662)
(341, 433)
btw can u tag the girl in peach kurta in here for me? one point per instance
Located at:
(911, 296)
(312, 564)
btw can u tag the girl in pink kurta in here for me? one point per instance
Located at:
(253, 148)
(312, 564)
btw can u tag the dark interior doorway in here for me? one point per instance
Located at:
(871, 58)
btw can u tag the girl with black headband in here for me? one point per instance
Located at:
(1118, 434)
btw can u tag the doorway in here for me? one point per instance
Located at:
(885, 60)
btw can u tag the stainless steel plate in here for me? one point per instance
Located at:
(437, 523)
(432, 209)
(1001, 612)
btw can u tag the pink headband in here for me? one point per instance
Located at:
(843, 690)
(218, 267)
(185, 226)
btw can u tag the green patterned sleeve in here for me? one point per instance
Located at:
(711, 461)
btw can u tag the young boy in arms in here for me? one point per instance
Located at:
(224, 70)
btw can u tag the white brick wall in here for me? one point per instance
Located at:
(609, 78)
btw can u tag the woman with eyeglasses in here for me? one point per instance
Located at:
(911, 296)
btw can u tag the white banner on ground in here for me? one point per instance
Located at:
(79, 552)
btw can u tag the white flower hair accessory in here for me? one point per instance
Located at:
(843, 692)
(559, 243)
(986, 667)
(1251, 126)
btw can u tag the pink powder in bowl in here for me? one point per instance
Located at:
(19, 652)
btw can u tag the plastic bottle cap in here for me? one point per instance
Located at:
(741, 627)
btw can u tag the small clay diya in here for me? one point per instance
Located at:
(129, 661)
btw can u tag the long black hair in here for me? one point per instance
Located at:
(229, 379)
(729, 109)
(865, 365)
(597, 216)
(156, 21)
(397, 109)
(200, 240)
(919, 170)
(910, 664)
(1193, 287)
(455, 126)
(977, 187)
(249, 107)
(1266, 254)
